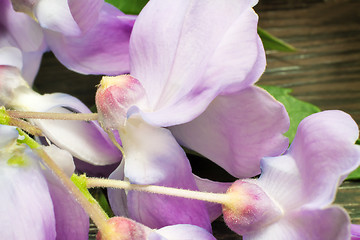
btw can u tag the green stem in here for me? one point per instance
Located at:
(92, 208)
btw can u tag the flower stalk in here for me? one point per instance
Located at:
(220, 198)
(53, 116)
(92, 208)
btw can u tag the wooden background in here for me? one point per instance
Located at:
(325, 69)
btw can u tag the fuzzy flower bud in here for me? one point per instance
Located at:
(114, 97)
(120, 228)
(249, 208)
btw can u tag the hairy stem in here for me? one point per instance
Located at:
(184, 193)
(53, 116)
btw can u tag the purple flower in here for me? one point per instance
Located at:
(34, 204)
(22, 41)
(90, 37)
(292, 198)
(84, 140)
(192, 69)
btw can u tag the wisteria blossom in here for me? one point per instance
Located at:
(84, 140)
(34, 204)
(22, 42)
(90, 37)
(195, 62)
(293, 197)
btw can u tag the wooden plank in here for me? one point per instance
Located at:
(326, 68)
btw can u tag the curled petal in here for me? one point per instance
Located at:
(237, 130)
(103, 49)
(184, 231)
(84, 140)
(56, 16)
(329, 223)
(324, 143)
(162, 65)
(21, 41)
(152, 156)
(62, 158)
(85, 12)
(20, 29)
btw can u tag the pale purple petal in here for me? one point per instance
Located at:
(179, 83)
(152, 156)
(85, 12)
(206, 185)
(11, 56)
(280, 179)
(318, 224)
(62, 158)
(185, 231)
(20, 29)
(26, 62)
(355, 232)
(103, 49)
(238, 70)
(7, 134)
(117, 197)
(324, 143)
(72, 222)
(31, 65)
(26, 209)
(55, 15)
(237, 130)
(84, 140)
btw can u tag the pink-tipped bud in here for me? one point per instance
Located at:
(120, 228)
(115, 96)
(249, 208)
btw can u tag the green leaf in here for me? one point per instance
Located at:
(273, 43)
(296, 109)
(80, 182)
(4, 116)
(100, 197)
(355, 175)
(132, 7)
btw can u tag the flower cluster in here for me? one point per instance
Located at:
(189, 72)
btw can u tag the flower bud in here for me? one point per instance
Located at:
(249, 208)
(120, 228)
(114, 97)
